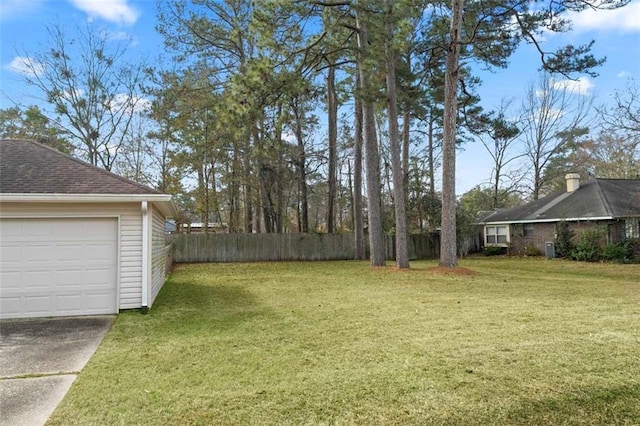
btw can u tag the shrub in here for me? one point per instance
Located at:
(494, 250)
(633, 247)
(590, 245)
(616, 252)
(531, 251)
(564, 237)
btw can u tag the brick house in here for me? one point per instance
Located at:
(614, 203)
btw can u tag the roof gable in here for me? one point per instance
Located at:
(27, 167)
(595, 199)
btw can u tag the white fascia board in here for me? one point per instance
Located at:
(86, 198)
(163, 201)
(568, 219)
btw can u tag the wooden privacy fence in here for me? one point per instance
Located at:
(274, 247)
(168, 258)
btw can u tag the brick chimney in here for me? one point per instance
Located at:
(573, 181)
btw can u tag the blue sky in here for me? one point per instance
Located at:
(617, 34)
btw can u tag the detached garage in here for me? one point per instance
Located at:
(75, 239)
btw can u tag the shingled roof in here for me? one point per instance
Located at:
(595, 199)
(27, 167)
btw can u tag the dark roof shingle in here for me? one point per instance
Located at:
(27, 167)
(596, 198)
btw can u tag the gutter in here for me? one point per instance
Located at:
(145, 256)
(91, 198)
(568, 219)
(164, 201)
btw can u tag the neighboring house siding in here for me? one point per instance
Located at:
(157, 254)
(130, 244)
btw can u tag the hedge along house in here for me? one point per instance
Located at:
(612, 203)
(76, 239)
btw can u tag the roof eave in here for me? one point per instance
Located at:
(567, 219)
(164, 201)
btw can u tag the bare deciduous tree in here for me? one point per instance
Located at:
(93, 93)
(553, 116)
(499, 137)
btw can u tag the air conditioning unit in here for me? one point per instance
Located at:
(550, 249)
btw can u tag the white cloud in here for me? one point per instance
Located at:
(118, 35)
(625, 19)
(9, 9)
(623, 74)
(547, 114)
(24, 65)
(116, 11)
(289, 137)
(122, 100)
(581, 86)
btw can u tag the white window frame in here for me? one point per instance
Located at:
(632, 227)
(497, 235)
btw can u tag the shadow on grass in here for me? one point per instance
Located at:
(191, 307)
(610, 405)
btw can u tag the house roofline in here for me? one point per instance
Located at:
(568, 219)
(163, 200)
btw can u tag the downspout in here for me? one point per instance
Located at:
(145, 256)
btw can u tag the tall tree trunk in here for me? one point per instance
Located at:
(431, 173)
(358, 227)
(279, 172)
(248, 193)
(234, 193)
(406, 122)
(402, 251)
(431, 159)
(303, 204)
(537, 178)
(332, 107)
(448, 244)
(496, 187)
(372, 156)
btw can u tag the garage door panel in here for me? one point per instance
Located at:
(37, 280)
(36, 229)
(10, 253)
(9, 233)
(68, 252)
(38, 253)
(70, 229)
(38, 305)
(10, 305)
(9, 280)
(52, 267)
(69, 280)
(69, 302)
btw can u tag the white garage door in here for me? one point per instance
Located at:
(56, 267)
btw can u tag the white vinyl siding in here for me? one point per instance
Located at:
(496, 235)
(157, 254)
(130, 232)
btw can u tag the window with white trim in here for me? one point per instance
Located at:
(632, 228)
(496, 235)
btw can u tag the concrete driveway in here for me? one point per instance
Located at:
(40, 359)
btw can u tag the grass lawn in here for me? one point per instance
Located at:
(525, 341)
